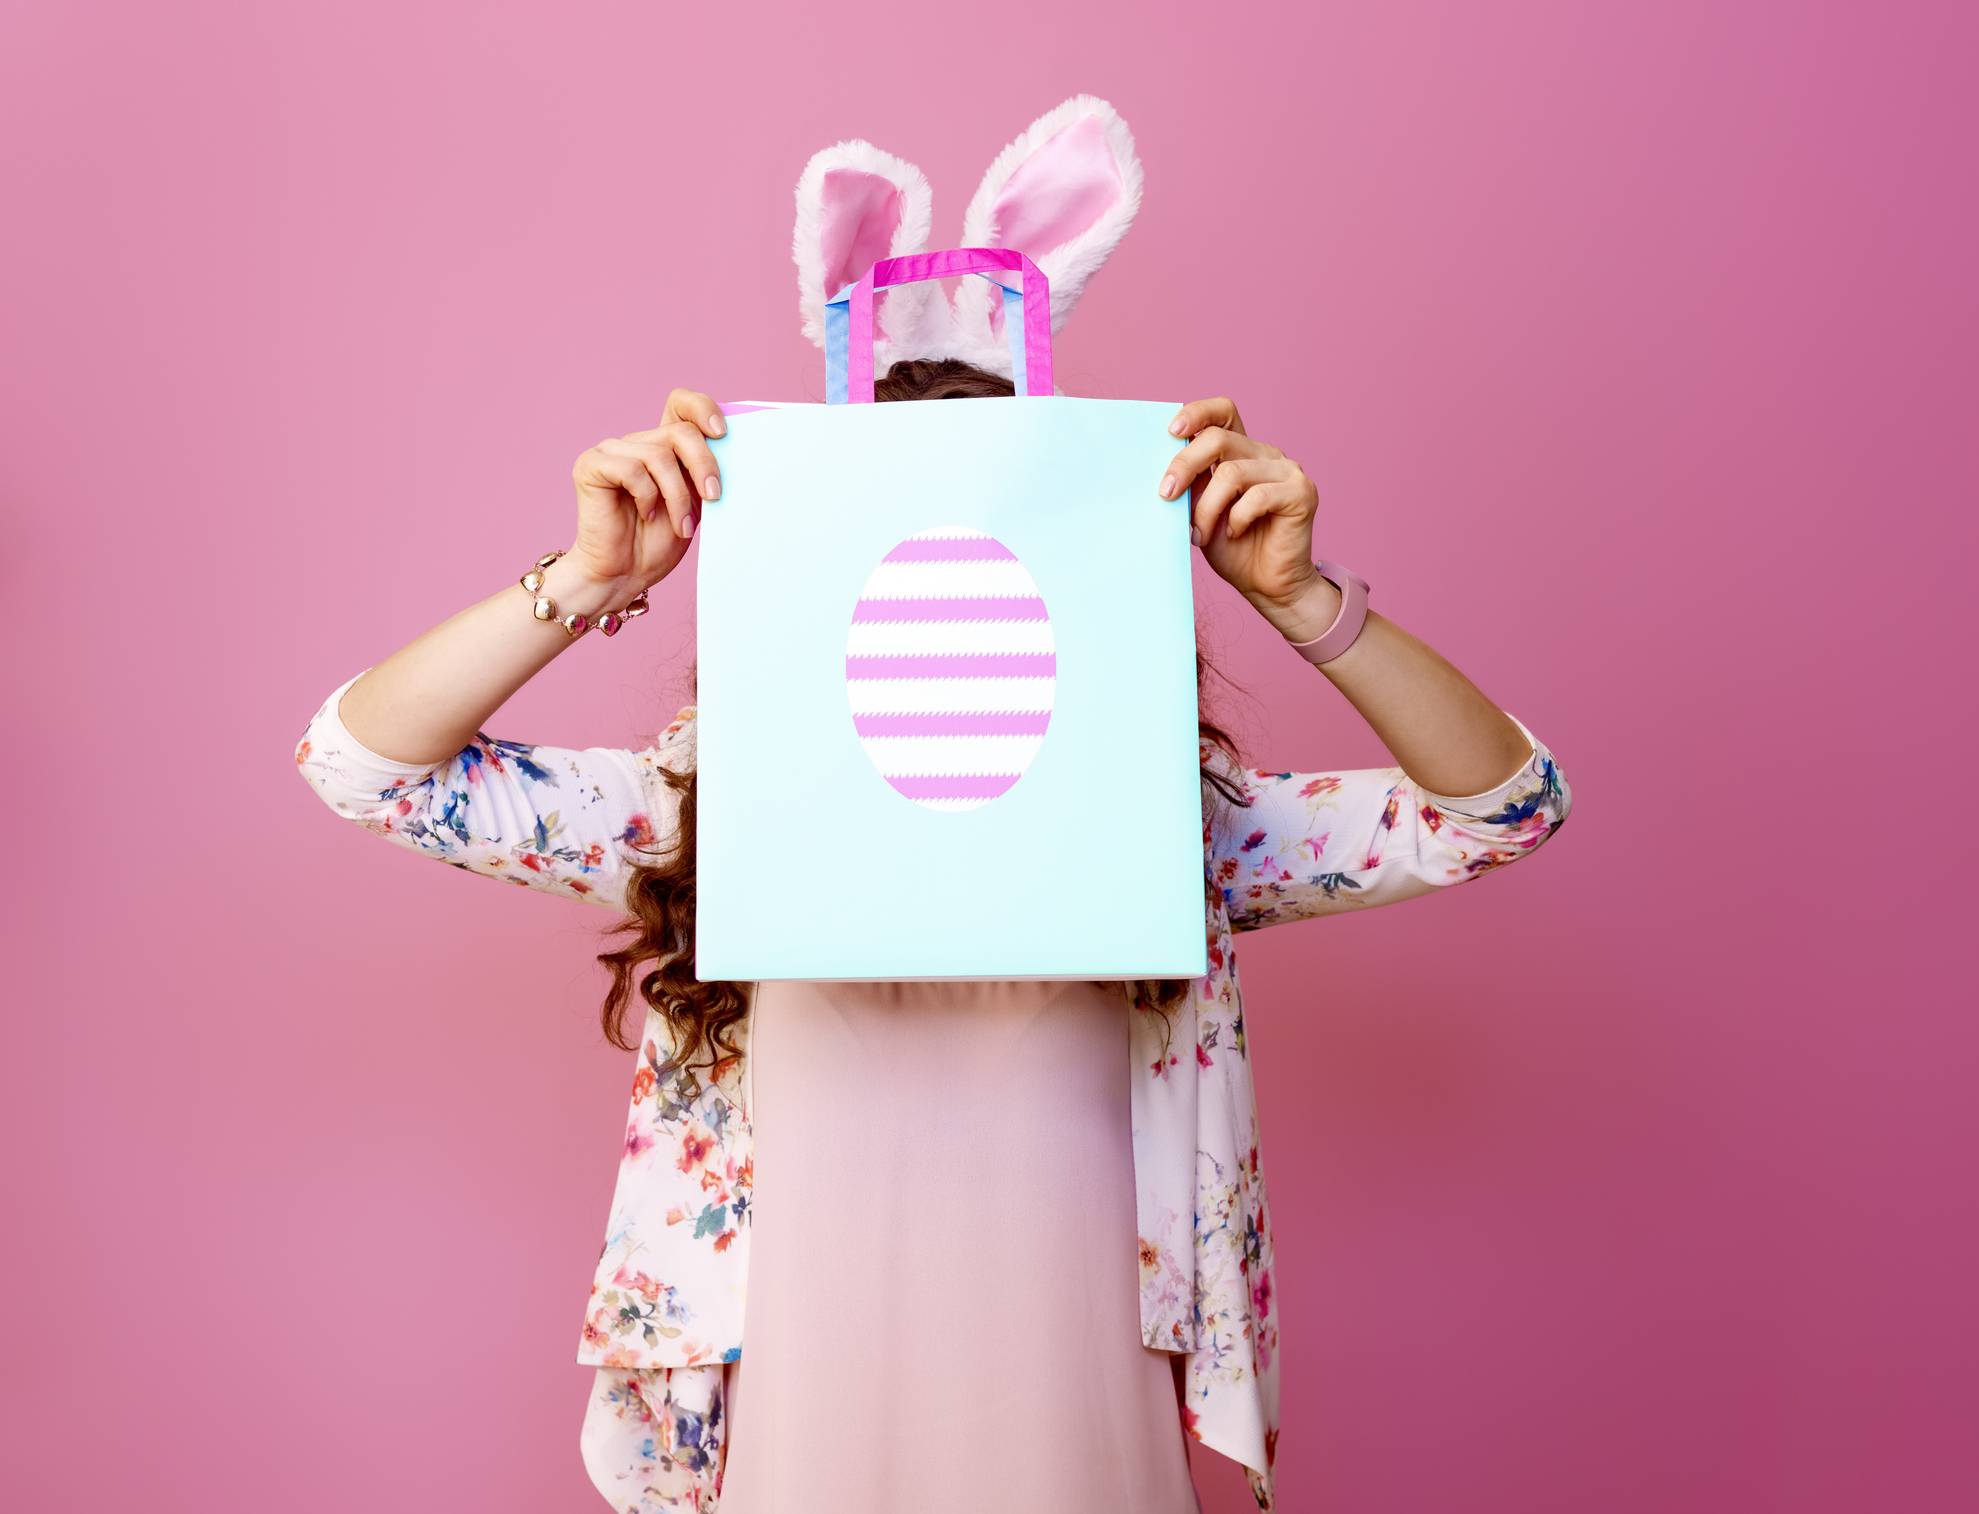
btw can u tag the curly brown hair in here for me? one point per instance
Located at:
(701, 1017)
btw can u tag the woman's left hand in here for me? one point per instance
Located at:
(1253, 509)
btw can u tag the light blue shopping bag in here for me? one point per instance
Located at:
(947, 691)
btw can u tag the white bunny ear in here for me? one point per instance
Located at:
(856, 205)
(1064, 193)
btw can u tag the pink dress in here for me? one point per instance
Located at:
(995, 1360)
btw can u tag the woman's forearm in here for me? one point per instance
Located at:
(426, 701)
(637, 499)
(1438, 725)
(1252, 514)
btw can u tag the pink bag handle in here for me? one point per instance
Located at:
(1033, 365)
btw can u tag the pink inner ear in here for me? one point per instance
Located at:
(1058, 192)
(861, 214)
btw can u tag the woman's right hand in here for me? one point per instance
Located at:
(639, 496)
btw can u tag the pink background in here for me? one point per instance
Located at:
(1633, 348)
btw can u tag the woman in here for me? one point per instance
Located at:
(990, 1232)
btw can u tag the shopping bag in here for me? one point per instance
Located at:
(946, 678)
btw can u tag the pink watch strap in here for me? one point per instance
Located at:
(1339, 636)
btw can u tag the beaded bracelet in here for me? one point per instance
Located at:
(574, 624)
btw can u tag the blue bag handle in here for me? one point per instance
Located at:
(849, 317)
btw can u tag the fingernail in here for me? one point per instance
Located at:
(1195, 537)
(1168, 486)
(1175, 426)
(716, 425)
(711, 487)
(687, 528)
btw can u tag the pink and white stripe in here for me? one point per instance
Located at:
(950, 667)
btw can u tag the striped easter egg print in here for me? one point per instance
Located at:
(950, 668)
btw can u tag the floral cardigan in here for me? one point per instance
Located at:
(666, 1302)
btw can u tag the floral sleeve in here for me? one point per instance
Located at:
(556, 819)
(1319, 843)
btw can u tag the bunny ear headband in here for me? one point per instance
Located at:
(1064, 193)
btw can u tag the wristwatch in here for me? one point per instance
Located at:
(1339, 636)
